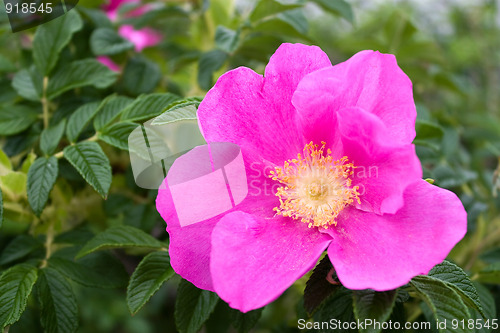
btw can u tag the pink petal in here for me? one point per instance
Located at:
(255, 112)
(314, 100)
(254, 260)
(383, 168)
(113, 6)
(141, 38)
(287, 67)
(385, 252)
(109, 63)
(369, 80)
(207, 181)
(190, 246)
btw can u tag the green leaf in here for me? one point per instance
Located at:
(80, 119)
(156, 143)
(96, 16)
(226, 39)
(110, 109)
(16, 118)
(1, 208)
(284, 25)
(140, 76)
(444, 302)
(59, 310)
(16, 284)
(105, 41)
(193, 306)
(337, 7)
(373, 305)
(5, 163)
(296, 19)
(28, 161)
(79, 235)
(18, 248)
(266, 8)
(50, 137)
(148, 277)
(28, 84)
(148, 106)
(6, 65)
(119, 237)
(14, 181)
(218, 320)
(490, 274)
(339, 307)
(318, 289)
(117, 134)
(397, 316)
(91, 162)
(244, 322)
(456, 278)
(493, 255)
(183, 111)
(209, 63)
(427, 130)
(42, 176)
(489, 306)
(98, 270)
(51, 37)
(259, 47)
(80, 73)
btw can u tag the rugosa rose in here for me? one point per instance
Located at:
(334, 143)
(141, 38)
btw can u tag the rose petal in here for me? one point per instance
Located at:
(254, 260)
(369, 80)
(190, 245)
(384, 168)
(314, 100)
(113, 6)
(255, 112)
(106, 61)
(385, 252)
(141, 38)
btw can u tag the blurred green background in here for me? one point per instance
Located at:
(449, 49)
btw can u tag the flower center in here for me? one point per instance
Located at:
(315, 188)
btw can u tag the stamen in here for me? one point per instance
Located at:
(315, 188)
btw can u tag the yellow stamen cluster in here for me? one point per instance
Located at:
(315, 188)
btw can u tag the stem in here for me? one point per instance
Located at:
(45, 102)
(6, 329)
(92, 138)
(415, 314)
(48, 245)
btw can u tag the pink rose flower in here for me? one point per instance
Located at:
(335, 145)
(113, 7)
(141, 38)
